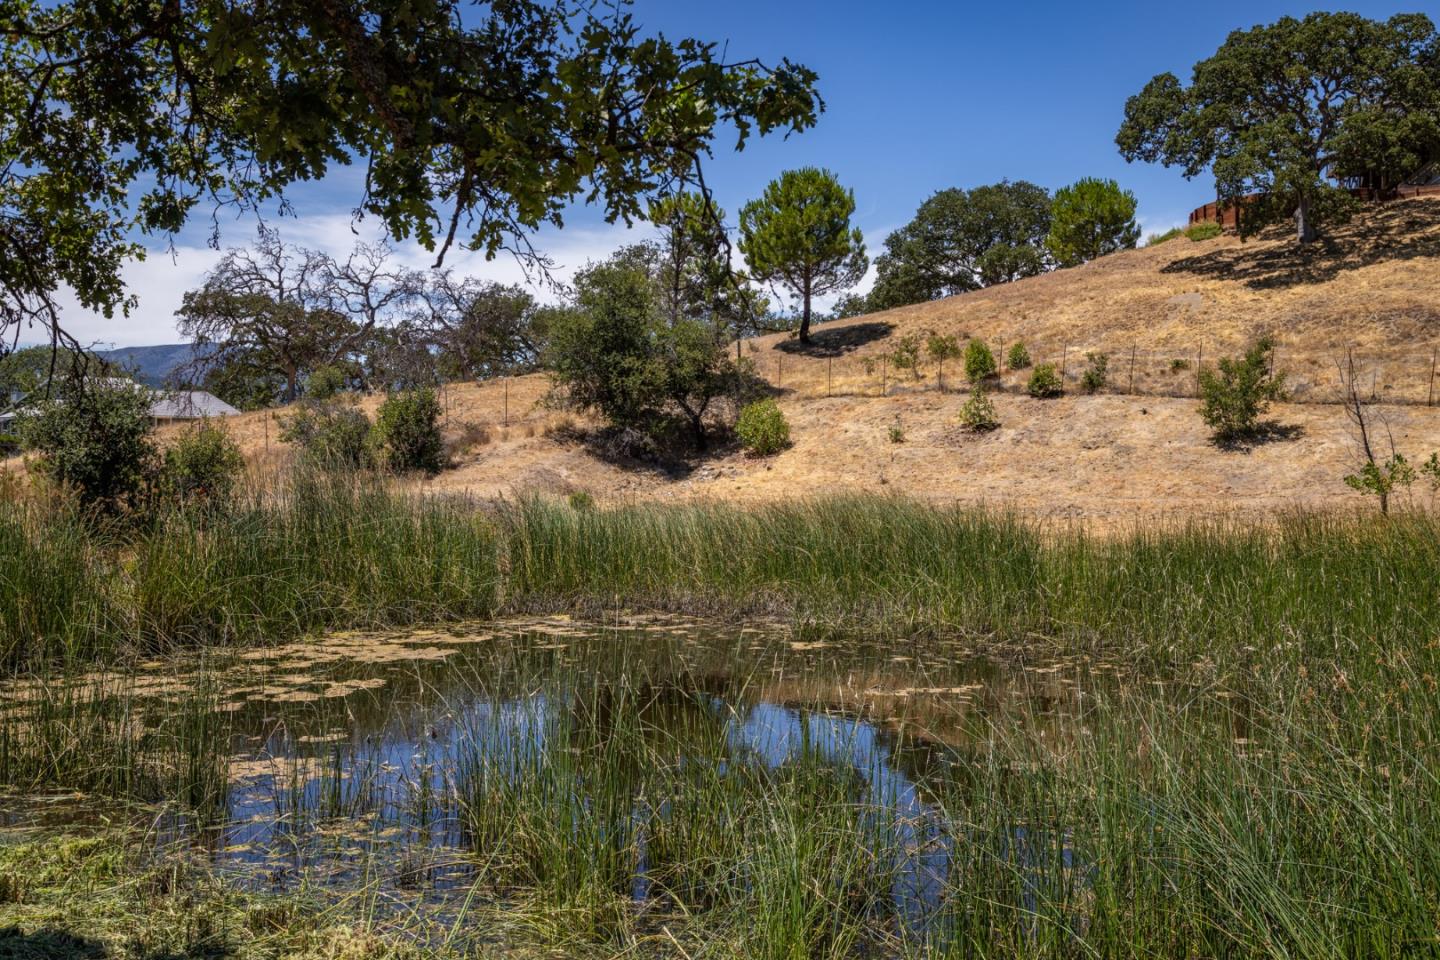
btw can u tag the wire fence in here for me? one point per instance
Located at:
(1399, 376)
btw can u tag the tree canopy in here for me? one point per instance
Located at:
(283, 310)
(697, 278)
(1089, 219)
(963, 240)
(121, 118)
(798, 234)
(617, 350)
(1279, 110)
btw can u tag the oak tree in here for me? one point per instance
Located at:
(473, 124)
(1288, 114)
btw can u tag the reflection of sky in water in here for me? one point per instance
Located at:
(777, 733)
(376, 802)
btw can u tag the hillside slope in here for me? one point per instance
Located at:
(1372, 288)
(1110, 460)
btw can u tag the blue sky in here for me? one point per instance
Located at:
(920, 96)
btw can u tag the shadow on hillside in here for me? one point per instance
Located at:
(47, 944)
(1403, 230)
(837, 341)
(1266, 432)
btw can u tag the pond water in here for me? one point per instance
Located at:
(412, 764)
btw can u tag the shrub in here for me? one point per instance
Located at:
(1179, 365)
(1045, 381)
(204, 465)
(9, 443)
(1019, 357)
(1233, 399)
(406, 436)
(325, 382)
(1097, 367)
(1383, 479)
(332, 435)
(1155, 239)
(979, 413)
(581, 501)
(94, 438)
(1204, 231)
(979, 361)
(906, 355)
(762, 428)
(942, 347)
(897, 433)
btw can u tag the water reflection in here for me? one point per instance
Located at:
(384, 758)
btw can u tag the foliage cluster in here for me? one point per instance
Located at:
(979, 361)
(1235, 396)
(978, 413)
(1096, 373)
(762, 428)
(1045, 381)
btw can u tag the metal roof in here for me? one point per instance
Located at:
(190, 405)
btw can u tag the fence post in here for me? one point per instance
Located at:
(779, 371)
(884, 369)
(1132, 367)
(1064, 357)
(506, 382)
(829, 370)
(1199, 359)
(1430, 400)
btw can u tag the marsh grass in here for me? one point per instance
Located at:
(1311, 585)
(321, 552)
(326, 553)
(610, 806)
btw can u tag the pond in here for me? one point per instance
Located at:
(652, 766)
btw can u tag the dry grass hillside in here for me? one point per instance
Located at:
(1110, 459)
(1372, 288)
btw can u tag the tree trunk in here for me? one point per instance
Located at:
(697, 423)
(805, 318)
(1304, 227)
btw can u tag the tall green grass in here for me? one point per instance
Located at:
(1311, 584)
(318, 553)
(331, 553)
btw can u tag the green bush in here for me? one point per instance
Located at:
(325, 382)
(762, 428)
(1155, 239)
(979, 361)
(406, 435)
(1204, 231)
(582, 501)
(203, 465)
(9, 443)
(333, 435)
(1097, 372)
(1233, 399)
(1019, 357)
(93, 437)
(906, 355)
(1179, 365)
(979, 413)
(1045, 381)
(897, 433)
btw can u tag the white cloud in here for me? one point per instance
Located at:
(160, 281)
(1153, 223)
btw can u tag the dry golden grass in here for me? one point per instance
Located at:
(1108, 460)
(1373, 287)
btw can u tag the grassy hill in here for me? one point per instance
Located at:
(1110, 459)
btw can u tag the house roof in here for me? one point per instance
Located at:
(190, 405)
(174, 405)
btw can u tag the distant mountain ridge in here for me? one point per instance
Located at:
(152, 366)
